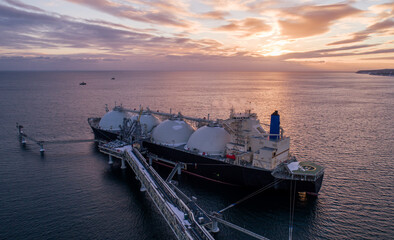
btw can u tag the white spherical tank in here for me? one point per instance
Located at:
(172, 133)
(112, 120)
(147, 121)
(208, 140)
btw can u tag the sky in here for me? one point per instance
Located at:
(201, 35)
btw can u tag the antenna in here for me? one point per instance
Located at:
(232, 111)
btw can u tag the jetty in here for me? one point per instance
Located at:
(187, 220)
(23, 139)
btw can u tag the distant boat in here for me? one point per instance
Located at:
(113, 78)
(82, 83)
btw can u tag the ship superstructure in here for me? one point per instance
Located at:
(252, 145)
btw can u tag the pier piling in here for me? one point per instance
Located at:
(142, 188)
(123, 164)
(215, 228)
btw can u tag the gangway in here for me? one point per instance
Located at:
(177, 214)
(23, 136)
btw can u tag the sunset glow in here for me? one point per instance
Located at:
(242, 35)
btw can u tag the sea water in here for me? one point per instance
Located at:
(342, 121)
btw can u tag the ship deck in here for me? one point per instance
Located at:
(215, 157)
(308, 168)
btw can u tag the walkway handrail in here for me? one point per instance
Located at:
(173, 221)
(169, 115)
(174, 198)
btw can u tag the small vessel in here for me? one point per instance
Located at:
(113, 78)
(82, 83)
(236, 151)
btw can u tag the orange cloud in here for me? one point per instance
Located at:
(383, 27)
(378, 58)
(214, 15)
(246, 27)
(308, 21)
(337, 52)
(228, 5)
(385, 10)
(39, 38)
(172, 6)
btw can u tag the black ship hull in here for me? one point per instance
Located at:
(101, 133)
(218, 171)
(105, 135)
(215, 170)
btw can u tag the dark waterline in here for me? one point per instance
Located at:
(342, 121)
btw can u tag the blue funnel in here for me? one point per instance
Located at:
(275, 125)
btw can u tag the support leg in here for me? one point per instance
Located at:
(143, 188)
(110, 159)
(179, 169)
(215, 227)
(42, 150)
(123, 164)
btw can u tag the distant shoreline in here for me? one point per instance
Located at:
(380, 72)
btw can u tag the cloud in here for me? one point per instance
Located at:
(383, 27)
(306, 21)
(155, 12)
(383, 11)
(24, 6)
(27, 30)
(336, 52)
(173, 6)
(378, 58)
(31, 8)
(219, 15)
(245, 27)
(114, 25)
(35, 32)
(228, 5)
(390, 50)
(192, 62)
(33, 37)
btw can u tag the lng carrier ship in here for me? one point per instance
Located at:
(236, 151)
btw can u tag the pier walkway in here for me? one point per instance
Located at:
(176, 212)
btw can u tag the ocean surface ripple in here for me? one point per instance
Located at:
(343, 121)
